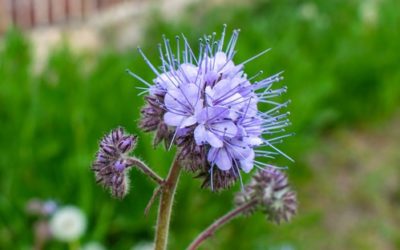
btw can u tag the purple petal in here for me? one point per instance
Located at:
(253, 140)
(248, 163)
(209, 93)
(200, 134)
(210, 114)
(190, 93)
(167, 81)
(220, 157)
(189, 71)
(189, 121)
(213, 139)
(219, 60)
(239, 149)
(225, 128)
(230, 70)
(225, 85)
(211, 76)
(182, 99)
(198, 107)
(172, 119)
(175, 101)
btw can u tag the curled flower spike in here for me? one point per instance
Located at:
(271, 191)
(112, 161)
(207, 105)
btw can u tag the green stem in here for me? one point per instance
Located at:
(209, 231)
(146, 170)
(166, 201)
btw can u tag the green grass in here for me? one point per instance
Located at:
(339, 71)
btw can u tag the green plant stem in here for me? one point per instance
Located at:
(209, 231)
(166, 201)
(157, 191)
(146, 170)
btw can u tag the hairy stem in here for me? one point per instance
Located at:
(166, 201)
(209, 231)
(156, 193)
(146, 170)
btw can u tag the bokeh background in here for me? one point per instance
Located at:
(63, 85)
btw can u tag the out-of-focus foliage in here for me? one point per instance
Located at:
(341, 67)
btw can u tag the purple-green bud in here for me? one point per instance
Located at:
(111, 163)
(270, 188)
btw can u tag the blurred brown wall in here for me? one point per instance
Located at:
(27, 14)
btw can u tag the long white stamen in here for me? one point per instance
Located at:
(178, 49)
(187, 46)
(279, 151)
(256, 56)
(148, 61)
(221, 41)
(138, 78)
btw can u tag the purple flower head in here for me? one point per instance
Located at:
(112, 161)
(207, 105)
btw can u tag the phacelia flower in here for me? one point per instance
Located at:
(270, 188)
(68, 224)
(112, 161)
(206, 105)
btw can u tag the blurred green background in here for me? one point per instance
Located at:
(342, 68)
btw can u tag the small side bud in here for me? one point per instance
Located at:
(271, 190)
(283, 207)
(111, 164)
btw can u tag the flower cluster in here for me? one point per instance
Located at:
(208, 107)
(271, 191)
(112, 161)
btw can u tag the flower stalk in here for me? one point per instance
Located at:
(209, 231)
(146, 170)
(165, 208)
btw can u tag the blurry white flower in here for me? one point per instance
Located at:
(308, 11)
(68, 224)
(145, 245)
(368, 12)
(93, 246)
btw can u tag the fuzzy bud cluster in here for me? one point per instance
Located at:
(112, 161)
(271, 190)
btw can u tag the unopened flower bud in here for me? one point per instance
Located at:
(112, 161)
(126, 143)
(283, 206)
(271, 190)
